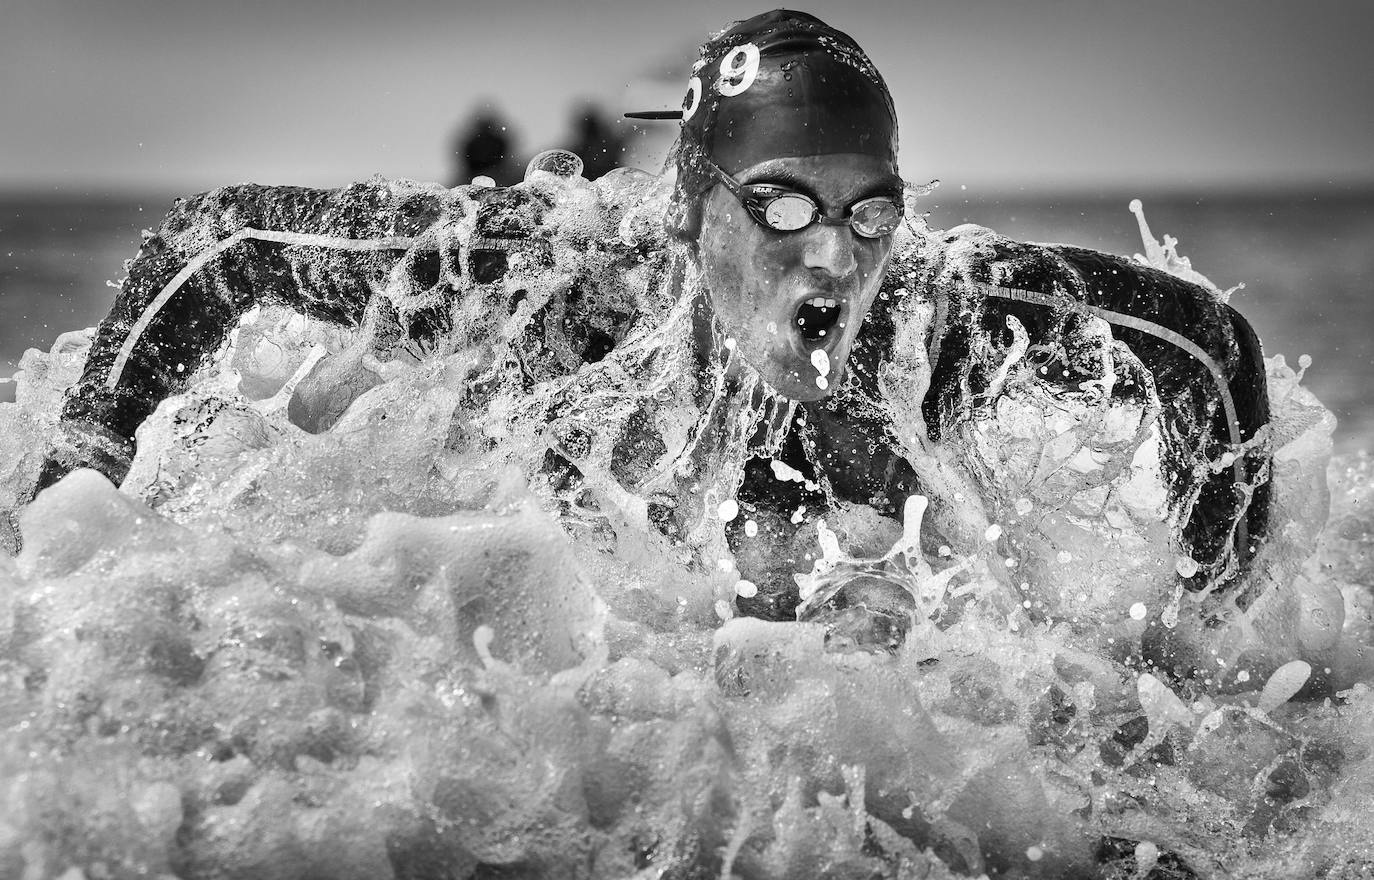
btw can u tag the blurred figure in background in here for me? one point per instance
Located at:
(597, 141)
(483, 149)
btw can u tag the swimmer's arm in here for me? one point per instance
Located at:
(159, 332)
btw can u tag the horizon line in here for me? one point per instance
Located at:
(1163, 188)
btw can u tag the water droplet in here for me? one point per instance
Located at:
(1146, 856)
(820, 359)
(1286, 681)
(785, 472)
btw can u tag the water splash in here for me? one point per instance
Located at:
(475, 621)
(1165, 256)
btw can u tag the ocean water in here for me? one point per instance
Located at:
(1306, 259)
(397, 648)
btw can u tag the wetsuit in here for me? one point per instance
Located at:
(328, 254)
(1201, 361)
(1202, 358)
(376, 246)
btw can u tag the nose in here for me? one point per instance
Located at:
(830, 249)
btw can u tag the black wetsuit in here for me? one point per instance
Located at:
(327, 281)
(1212, 406)
(847, 439)
(99, 420)
(841, 442)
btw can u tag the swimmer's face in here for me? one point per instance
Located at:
(782, 296)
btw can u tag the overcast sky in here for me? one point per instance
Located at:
(184, 95)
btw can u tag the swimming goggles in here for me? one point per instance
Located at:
(785, 210)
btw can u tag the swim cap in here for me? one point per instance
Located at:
(785, 84)
(779, 85)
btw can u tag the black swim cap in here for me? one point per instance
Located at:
(786, 84)
(779, 85)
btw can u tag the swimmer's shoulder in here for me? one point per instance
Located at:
(931, 260)
(377, 207)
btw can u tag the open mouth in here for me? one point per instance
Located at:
(817, 318)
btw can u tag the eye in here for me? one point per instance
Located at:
(875, 217)
(790, 212)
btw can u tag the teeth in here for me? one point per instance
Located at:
(821, 302)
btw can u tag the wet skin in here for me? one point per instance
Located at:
(757, 279)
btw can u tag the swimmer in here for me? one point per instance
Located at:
(788, 119)
(789, 193)
(787, 211)
(789, 197)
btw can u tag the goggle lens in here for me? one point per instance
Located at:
(788, 213)
(874, 218)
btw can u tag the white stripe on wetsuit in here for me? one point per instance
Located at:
(1158, 331)
(195, 265)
